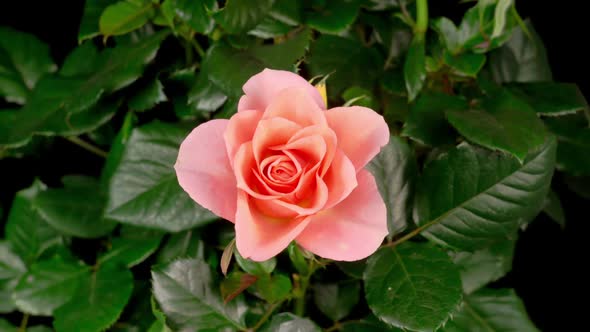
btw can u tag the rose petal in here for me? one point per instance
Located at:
(330, 141)
(259, 237)
(295, 105)
(240, 129)
(314, 201)
(351, 230)
(341, 178)
(271, 133)
(361, 132)
(204, 172)
(262, 88)
(245, 170)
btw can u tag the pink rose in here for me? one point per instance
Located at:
(284, 168)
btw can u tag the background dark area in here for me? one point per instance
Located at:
(549, 270)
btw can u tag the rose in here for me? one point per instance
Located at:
(283, 168)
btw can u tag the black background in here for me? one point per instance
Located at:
(549, 270)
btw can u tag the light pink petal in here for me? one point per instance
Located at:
(361, 132)
(341, 178)
(262, 88)
(204, 172)
(259, 237)
(271, 133)
(351, 230)
(240, 129)
(295, 105)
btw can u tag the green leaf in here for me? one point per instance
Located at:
(360, 97)
(144, 191)
(521, 59)
(506, 123)
(187, 294)
(465, 64)
(412, 286)
(287, 11)
(395, 170)
(348, 62)
(81, 61)
(98, 301)
(92, 12)
(273, 288)
(183, 244)
(554, 209)
(336, 300)
(76, 209)
(415, 67)
(333, 16)
(240, 16)
(131, 249)
(28, 234)
(287, 322)
(470, 197)
(48, 284)
(297, 258)
(574, 143)
(550, 98)
(370, 324)
(160, 324)
(11, 269)
(353, 269)
(229, 69)
(5, 326)
(255, 268)
(270, 28)
(149, 96)
(234, 284)
(426, 121)
(205, 96)
(491, 310)
(194, 13)
(23, 60)
(486, 265)
(125, 16)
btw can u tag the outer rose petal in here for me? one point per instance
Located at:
(361, 132)
(240, 130)
(262, 88)
(294, 104)
(351, 230)
(204, 172)
(260, 237)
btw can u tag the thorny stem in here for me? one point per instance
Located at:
(87, 146)
(421, 16)
(23, 323)
(304, 283)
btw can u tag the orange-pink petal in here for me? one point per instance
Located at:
(261, 89)
(361, 132)
(204, 172)
(260, 237)
(240, 130)
(351, 230)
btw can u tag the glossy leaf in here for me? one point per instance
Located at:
(92, 11)
(426, 121)
(521, 59)
(287, 11)
(98, 301)
(205, 96)
(234, 284)
(187, 244)
(29, 234)
(243, 15)
(491, 310)
(486, 265)
(76, 209)
(125, 16)
(503, 123)
(470, 206)
(132, 247)
(160, 324)
(465, 64)
(340, 57)
(270, 28)
(144, 191)
(273, 288)
(574, 143)
(11, 269)
(333, 16)
(415, 67)
(194, 13)
(256, 268)
(554, 209)
(187, 294)
(395, 170)
(287, 322)
(336, 300)
(23, 60)
(412, 286)
(49, 284)
(148, 97)
(229, 68)
(550, 98)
